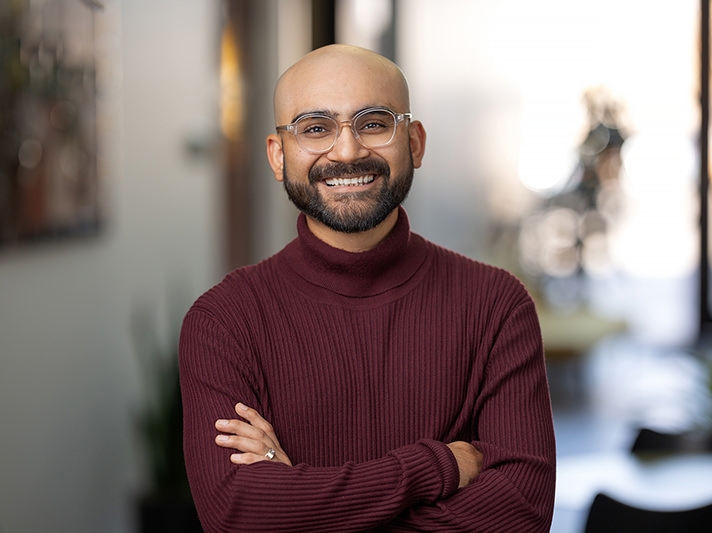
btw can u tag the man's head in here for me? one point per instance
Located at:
(349, 187)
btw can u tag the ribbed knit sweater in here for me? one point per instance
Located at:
(367, 365)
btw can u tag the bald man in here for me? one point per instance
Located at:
(380, 382)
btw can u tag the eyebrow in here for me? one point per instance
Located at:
(314, 112)
(332, 114)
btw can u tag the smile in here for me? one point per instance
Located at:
(350, 182)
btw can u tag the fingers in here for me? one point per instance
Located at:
(252, 443)
(255, 420)
(255, 426)
(243, 444)
(243, 429)
(250, 458)
(254, 438)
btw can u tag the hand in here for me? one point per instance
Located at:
(252, 438)
(469, 461)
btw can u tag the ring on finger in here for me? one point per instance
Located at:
(270, 454)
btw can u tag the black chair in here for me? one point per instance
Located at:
(608, 515)
(649, 441)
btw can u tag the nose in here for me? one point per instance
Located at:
(347, 148)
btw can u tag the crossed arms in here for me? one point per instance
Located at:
(501, 481)
(254, 437)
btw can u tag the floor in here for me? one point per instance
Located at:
(602, 399)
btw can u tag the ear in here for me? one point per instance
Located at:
(416, 132)
(275, 155)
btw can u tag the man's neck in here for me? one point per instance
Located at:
(354, 242)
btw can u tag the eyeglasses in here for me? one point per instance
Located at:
(373, 128)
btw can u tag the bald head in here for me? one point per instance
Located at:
(339, 78)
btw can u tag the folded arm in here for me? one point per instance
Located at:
(515, 489)
(271, 495)
(254, 438)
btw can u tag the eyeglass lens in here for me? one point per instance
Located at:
(372, 129)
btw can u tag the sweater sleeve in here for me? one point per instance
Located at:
(515, 490)
(272, 496)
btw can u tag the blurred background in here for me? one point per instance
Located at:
(567, 142)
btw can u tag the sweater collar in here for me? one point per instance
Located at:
(388, 265)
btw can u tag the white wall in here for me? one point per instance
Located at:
(69, 381)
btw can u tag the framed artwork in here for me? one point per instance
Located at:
(49, 183)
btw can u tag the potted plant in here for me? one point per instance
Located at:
(166, 505)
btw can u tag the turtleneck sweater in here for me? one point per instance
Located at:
(367, 365)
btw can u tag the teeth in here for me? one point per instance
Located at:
(349, 182)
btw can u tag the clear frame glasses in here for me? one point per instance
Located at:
(374, 127)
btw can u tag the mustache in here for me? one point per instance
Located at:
(337, 169)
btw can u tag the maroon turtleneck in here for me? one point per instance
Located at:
(367, 364)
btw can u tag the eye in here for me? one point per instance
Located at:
(315, 126)
(375, 122)
(372, 125)
(314, 129)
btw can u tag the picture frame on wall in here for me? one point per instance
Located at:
(49, 179)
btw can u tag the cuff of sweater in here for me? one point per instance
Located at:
(431, 469)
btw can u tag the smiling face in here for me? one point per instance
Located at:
(349, 189)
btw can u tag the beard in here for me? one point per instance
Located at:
(351, 212)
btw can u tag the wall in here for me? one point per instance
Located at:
(69, 378)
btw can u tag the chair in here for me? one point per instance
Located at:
(608, 515)
(649, 441)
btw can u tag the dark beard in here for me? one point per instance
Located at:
(351, 212)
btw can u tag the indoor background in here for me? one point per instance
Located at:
(564, 144)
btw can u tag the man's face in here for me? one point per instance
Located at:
(350, 188)
(351, 208)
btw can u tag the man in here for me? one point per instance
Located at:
(381, 382)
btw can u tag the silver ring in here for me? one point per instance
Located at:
(270, 454)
